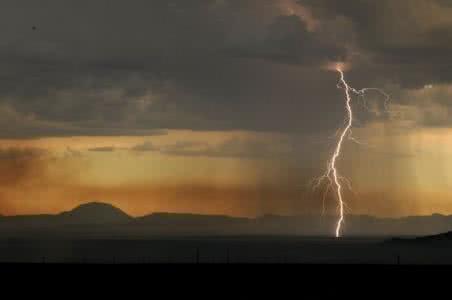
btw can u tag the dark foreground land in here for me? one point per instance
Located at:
(98, 233)
(208, 250)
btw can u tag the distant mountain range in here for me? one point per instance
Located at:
(104, 220)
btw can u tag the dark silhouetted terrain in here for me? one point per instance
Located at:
(437, 239)
(101, 233)
(104, 220)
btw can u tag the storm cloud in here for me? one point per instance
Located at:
(111, 68)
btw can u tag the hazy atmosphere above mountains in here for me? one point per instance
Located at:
(223, 106)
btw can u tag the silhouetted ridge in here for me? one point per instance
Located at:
(95, 213)
(438, 237)
(428, 239)
(102, 219)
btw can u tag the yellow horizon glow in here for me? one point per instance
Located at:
(404, 173)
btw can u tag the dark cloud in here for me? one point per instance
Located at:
(145, 147)
(252, 148)
(126, 68)
(407, 40)
(69, 153)
(287, 40)
(185, 148)
(130, 68)
(234, 147)
(102, 149)
(28, 125)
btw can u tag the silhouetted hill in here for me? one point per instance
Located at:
(101, 219)
(86, 219)
(429, 239)
(439, 237)
(94, 213)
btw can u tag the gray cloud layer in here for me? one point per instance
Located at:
(117, 68)
(233, 147)
(409, 41)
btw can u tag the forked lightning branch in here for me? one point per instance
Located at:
(332, 176)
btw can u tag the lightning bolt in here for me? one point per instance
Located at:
(332, 175)
(332, 166)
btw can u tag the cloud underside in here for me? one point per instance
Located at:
(250, 148)
(141, 67)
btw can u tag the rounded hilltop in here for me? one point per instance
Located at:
(96, 212)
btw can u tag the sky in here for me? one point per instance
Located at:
(223, 106)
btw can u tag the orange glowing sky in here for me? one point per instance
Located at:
(411, 166)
